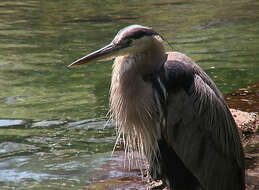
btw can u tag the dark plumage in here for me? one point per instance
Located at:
(201, 145)
(172, 113)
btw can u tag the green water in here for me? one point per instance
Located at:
(38, 39)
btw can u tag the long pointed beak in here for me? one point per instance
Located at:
(99, 55)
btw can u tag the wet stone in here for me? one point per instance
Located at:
(48, 123)
(93, 125)
(77, 123)
(10, 123)
(245, 99)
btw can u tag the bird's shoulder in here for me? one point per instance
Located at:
(178, 70)
(177, 62)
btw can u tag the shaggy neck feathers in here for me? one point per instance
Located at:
(132, 102)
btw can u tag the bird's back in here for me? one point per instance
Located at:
(200, 129)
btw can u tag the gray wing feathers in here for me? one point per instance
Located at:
(203, 133)
(219, 121)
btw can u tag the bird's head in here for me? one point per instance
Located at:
(129, 40)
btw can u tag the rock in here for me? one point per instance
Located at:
(91, 125)
(11, 123)
(77, 123)
(247, 122)
(48, 123)
(252, 158)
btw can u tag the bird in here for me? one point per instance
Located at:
(168, 109)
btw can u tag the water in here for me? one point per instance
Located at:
(47, 156)
(38, 39)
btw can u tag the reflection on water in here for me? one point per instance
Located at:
(38, 39)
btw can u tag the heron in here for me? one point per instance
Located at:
(171, 112)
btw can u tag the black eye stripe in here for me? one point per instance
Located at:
(139, 33)
(129, 41)
(129, 34)
(126, 43)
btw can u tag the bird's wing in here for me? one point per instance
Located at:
(200, 127)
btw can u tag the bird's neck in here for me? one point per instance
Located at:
(131, 99)
(141, 63)
(130, 93)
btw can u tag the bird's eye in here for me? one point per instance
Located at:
(128, 41)
(125, 43)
